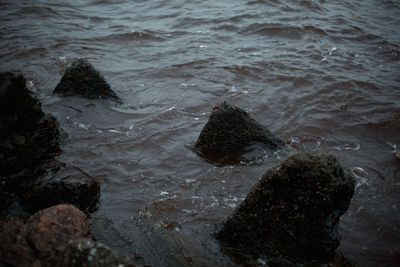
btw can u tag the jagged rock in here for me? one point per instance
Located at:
(231, 131)
(67, 186)
(293, 211)
(27, 135)
(41, 239)
(29, 138)
(82, 79)
(87, 253)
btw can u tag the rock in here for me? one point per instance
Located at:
(41, 239)
(27, 135)
(145, 243)
(5, 200)
(87, 253)
(229, 131)
(29, 141)
(293, 211)
(29, 138)
(68, 186)
(82, 79)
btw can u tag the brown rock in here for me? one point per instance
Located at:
(40, 239)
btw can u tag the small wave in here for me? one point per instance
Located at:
(36, 10)
(356, 34)
(350, 87)
(32, 51)
(99, 19)
(107, 2)
(227, 27)
(310, 5)
(196, 64)
(235, 19)
(246, 71)
(388, 52)
(283, 31)
(256, 2)
(313, 29)
(130, 36)
(188, 22)
(276, 30)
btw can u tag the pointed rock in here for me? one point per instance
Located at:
(27, 134)
(82, 79)
(293, 211)
(231, 131)
(29, 138)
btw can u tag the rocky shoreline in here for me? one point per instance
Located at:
(290, 216)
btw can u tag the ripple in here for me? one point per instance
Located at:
(282, 30)
(129, 36)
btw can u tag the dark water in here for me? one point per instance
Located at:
(321, 74)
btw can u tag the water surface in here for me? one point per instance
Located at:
(321, 74)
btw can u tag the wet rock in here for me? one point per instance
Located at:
(293, 211)
(145, 243)
(41, 239)
(29, 138)
(5, 200)
(231, 131)
(27, 135)
(82, 79)
(68, 186)
(87, 253)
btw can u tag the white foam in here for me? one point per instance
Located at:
(189, 181)
(361, 176)
(333, 49)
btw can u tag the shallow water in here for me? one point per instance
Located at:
(321, 74)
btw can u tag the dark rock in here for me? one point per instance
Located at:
(41, 239)
(87, 253)
(5, 200)
(231, 131)
(145, 243)
(29, 138)
(82, 79)
(27, 135)
(68, 186)
(293, 211)
(29, 141)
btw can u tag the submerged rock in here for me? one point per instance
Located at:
(87, 253)
(68, 186)
(231, 131)
(145, 243)
(27, 135)
(293, 211)
(82, 79)
(41, 239)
